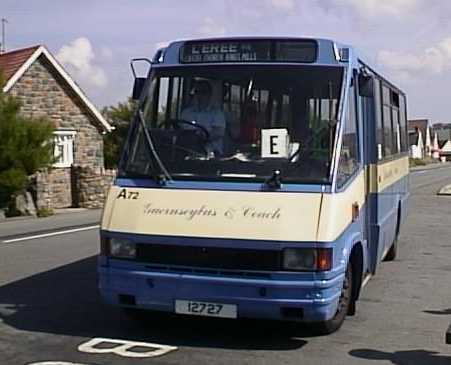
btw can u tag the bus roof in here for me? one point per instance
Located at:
(326, 52)
(251, 50)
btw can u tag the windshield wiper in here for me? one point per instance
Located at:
(275, 181)
(163, 171)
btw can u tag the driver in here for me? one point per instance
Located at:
(203, 112)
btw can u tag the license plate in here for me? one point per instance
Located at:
(205, 309)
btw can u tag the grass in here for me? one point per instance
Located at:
(44, 212)
(416, 162)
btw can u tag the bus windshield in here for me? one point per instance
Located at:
(238, 123)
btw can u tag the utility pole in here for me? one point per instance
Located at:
(3, 45)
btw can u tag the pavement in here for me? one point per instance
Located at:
(63, 219)
(50, 310)
(431, 166)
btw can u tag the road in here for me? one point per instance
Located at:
(49, 305)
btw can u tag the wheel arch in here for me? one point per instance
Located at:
(398, 218)
(356, 261)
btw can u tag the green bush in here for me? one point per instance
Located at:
(44, 212)
(25, 147)
(416, 162)
(120, 117)
(11, 181)
(428, 160)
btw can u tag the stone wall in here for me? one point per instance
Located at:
(91, 186)
(53, 188)
(87, 187)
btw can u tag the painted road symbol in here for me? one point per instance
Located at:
(124, 348)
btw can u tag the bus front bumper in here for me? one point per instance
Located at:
(306, 301)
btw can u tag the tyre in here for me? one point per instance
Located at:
(345, 304)
(393, 251)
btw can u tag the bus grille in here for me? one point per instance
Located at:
(209, 257)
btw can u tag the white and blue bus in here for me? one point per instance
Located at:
(277, 198)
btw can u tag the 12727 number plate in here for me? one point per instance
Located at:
(205, 309)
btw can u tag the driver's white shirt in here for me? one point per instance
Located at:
(212, 119)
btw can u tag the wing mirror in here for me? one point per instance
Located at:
(138, 84)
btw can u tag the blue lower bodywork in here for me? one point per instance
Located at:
(158, 291)
(391, 207)
(156, 287)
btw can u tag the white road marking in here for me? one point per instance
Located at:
(26, 238)
(56, 363)
(419, 172)
(124, 348)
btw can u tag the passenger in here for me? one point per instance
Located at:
(249, 129)
(203, 112)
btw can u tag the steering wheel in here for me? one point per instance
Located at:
(176, 123)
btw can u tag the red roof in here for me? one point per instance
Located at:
(10, 62)
(11, 66)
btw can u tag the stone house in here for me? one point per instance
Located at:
(46, 90)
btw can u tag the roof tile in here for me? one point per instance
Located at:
(10, 62)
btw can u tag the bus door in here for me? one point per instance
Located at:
(370, 117)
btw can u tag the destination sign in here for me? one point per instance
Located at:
(249, 51)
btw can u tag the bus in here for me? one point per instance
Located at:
(261, 178)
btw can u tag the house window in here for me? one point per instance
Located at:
(63, 148)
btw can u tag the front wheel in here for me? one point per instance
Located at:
(344, 305)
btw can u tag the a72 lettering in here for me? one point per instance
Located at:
(127, 194)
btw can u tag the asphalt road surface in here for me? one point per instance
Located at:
(49, 305)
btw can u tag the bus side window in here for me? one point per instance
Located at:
(389, 141)
(349, 155)
(396, 129)
(378, 116)
(403, 122)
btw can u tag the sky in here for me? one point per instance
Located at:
(408, 41)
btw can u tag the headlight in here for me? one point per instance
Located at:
(307, 259)
(122, 248)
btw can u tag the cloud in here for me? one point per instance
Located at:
(433, 60)
(375, 8)
(78, 57)
(445, 46)
(286, 6)
(210, 28)
(106, 53)
(161, 44)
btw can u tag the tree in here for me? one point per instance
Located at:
(25, 147)
(119, 116)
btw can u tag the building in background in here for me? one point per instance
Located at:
(443, 133)
(435, 147)
(46, 90)
(419, 138)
